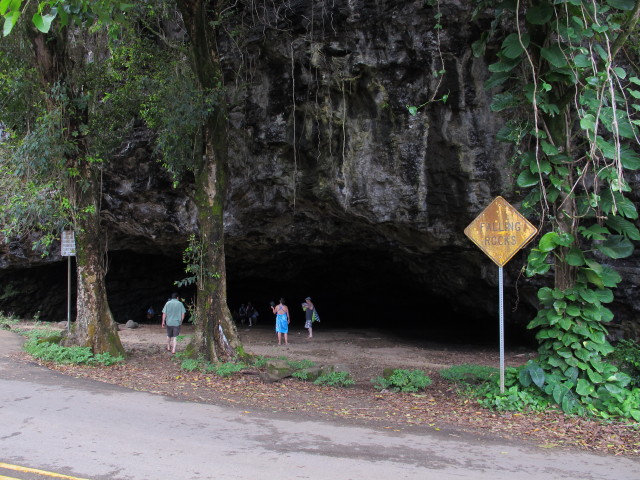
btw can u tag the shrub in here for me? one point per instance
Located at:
(48, 350)
(335, 379)
(403, 381)
(469, 374)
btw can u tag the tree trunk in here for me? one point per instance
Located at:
(95, 326)
(215, 335)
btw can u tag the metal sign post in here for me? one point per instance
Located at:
(68, 249)
(500, 231)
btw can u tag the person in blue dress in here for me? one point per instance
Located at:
(282, 321)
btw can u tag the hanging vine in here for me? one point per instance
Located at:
(572, 100)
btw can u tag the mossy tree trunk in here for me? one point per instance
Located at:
(215, 335)
(95, 326)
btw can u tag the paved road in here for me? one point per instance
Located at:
(91, 430)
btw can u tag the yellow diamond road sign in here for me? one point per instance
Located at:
(500, 231)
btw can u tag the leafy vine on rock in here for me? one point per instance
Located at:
(571, 99)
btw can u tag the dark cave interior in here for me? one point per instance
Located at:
(351, 288)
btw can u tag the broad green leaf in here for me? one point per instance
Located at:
(594, 278)
(610, 278)
(623, 227)
(505, 65)
(604, 295)
(502, 101)
(575, 257)
(595, 377)
(573, 310)
(630, 159)
(588, 122)
(4, 5)
(9, 21)
(512, 46)
(537, 375)
(616, 246)
(620, 72)
(548, 242)
(585, 388)
(548, 148)
(43, 22)
(582, 61)
(554, 56)
(539, 14)
(479, 46)
(527, 179)
(542, 166)
(594, 232)
(588, 295)
(496, 80)
(559, 393)
(622, 4)
(545, 293)
(608, 149)
(413, 110)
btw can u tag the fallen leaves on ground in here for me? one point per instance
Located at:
(439, 408)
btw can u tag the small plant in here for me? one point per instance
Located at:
(190, 364)
(227, 369)
(335, 379)
(301, 364)
(107, 359)
(301, 375)
(259, 361)
(403, 381)
(469, 374)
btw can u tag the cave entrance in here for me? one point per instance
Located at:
(419, 301)
(373, 289)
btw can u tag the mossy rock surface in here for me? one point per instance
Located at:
(276, 370)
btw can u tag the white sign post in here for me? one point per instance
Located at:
(68, 249)
(500, 231)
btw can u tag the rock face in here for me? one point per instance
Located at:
(336, 190)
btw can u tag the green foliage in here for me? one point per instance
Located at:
(403, 381)
(469, 374)
(8, 321)
(47, 350)
(574, 100)
(222, 369)
(301, 364)
(64, 12)
(191, 364)
(335, 379)
(626, 356)
(194, 258)
(259, 361)
(301, 375)
(226, 369)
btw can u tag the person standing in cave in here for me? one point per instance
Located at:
(309, 311)
(282, 321)
(173, 314)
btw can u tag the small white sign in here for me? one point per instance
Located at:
(68, 244)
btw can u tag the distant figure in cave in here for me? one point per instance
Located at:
(310, 315)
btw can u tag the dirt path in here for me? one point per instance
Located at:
(363, 353)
